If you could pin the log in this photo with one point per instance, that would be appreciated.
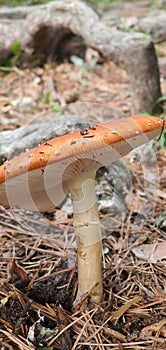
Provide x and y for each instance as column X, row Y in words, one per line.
column 14, row 142
column 54, row 30
column 154, row 24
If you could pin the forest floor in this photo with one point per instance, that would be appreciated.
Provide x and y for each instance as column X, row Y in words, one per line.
column 38, row 268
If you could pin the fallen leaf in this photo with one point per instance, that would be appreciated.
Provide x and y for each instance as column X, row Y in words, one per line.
column 118, row 313
column 151, row 252
column 6, row 299
column 158, row 328
column 15, row 270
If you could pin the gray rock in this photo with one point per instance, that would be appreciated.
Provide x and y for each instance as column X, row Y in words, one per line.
column 25, row 104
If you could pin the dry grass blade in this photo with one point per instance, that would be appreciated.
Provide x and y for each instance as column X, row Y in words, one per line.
column 20, row 343
column 118, row 346
column 84, row 331
column 75, row 321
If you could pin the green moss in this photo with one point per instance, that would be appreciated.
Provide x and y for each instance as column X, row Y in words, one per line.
column 14, row 59
column 14, row 3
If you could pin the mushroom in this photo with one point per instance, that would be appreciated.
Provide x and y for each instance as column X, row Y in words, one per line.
column 39, row 179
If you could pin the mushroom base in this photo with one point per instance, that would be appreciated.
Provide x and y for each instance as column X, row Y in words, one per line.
column 88, row 236
column 90, row 272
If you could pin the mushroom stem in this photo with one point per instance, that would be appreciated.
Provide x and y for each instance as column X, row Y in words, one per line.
column 88, row 236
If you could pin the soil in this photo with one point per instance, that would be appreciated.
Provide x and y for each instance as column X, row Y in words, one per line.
column 38, row 275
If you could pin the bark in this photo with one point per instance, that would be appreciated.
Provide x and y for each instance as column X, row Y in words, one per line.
column 142, row 67
column 58, row 29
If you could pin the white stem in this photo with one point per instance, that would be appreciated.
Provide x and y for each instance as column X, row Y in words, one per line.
column 88, row 236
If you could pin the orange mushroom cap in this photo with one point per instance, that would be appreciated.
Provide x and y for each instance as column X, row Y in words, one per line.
column 39, row 179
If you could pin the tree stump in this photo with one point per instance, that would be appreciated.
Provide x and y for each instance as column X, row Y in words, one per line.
column 54, row 30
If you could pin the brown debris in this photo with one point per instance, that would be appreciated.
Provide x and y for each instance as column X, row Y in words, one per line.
column 38, row 288
column 37, row 253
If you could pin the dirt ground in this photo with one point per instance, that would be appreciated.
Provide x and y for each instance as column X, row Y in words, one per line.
column 38, row 274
